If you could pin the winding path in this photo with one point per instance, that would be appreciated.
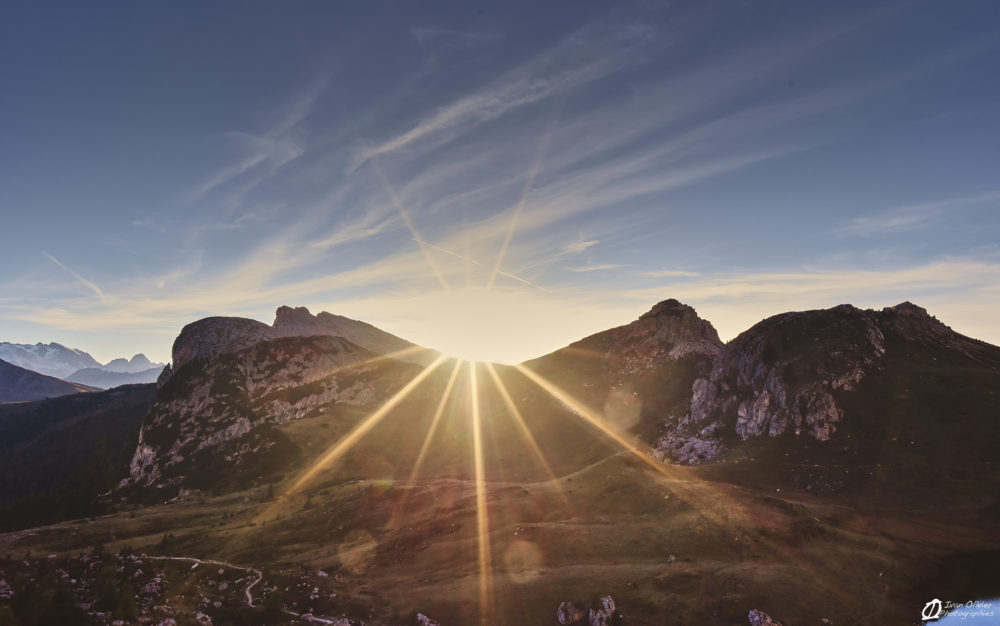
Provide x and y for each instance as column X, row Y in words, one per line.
column 247, row 591
column 196, row 561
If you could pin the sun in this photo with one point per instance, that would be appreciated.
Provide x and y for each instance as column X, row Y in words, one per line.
column 481, row 324
column 503, row 324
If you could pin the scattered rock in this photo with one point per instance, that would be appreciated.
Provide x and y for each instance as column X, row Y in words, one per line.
column 760, row 618
column 569, row 613
column 604, row 613
column 423, row 620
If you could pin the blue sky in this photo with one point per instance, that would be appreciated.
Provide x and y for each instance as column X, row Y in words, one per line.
column 519, row 174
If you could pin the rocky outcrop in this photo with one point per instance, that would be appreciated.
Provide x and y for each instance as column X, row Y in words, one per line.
column 666, row 333
column 601, row 614
column 760, row 618
column 298, row 322
column 570, row 613
column 213, row 336
column 786, row 374
column 213, row 408
column 164, row 376
column 604, row 613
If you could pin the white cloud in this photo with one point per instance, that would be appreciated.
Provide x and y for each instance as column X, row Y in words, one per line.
column 594, row 268
column 579, row 246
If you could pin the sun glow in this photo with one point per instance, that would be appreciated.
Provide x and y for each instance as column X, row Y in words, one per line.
column 500, row 325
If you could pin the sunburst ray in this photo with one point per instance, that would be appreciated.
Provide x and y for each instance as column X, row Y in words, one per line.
column 518, row 418
column 409, row 223
column 709, row 502
column 536, row 165
column 421, row 456
column 482, row 514
column 338, row 449
column 359, row 431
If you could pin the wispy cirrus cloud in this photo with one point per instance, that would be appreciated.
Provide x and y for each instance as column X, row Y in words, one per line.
column 914, row 216
column 262, row 154
column 588, row 55
column 671, row 274
column 83, row 281
column 579, row 246
column 594, row 268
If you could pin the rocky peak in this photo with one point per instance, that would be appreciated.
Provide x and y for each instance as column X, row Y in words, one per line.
column 213, row 336
column 216, row 335
column 914, row 323
column 668, row 308
column 670, row 330
column 299, row 322
column 289, row 317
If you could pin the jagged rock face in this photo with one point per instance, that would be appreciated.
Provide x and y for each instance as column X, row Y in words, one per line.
column 782, row 373
column 779, row 375
column 786, row 373
column 220, row 407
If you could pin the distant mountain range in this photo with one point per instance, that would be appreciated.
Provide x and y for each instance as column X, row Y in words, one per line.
column 98, row 377
column 18, row 384
column 74, row 365
column 51, row 359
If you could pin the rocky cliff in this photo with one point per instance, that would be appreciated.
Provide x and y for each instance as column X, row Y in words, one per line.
column 213, row 418
column 232, row 380
column 790, row 374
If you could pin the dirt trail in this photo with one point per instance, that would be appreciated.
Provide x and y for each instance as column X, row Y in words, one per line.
column 247, row 591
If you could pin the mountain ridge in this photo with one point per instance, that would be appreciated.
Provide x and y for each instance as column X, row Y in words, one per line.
column 75, row 365
column 18, row 384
